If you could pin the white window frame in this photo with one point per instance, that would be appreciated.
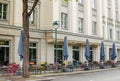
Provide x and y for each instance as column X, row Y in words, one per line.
column 2, row 12
column 64, row 20
column 110, row 33
column 32, row 18
column 32, row 54
column 80, row 24
column 94, row 27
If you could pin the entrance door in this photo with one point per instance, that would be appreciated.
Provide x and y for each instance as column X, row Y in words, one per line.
column 4, row 52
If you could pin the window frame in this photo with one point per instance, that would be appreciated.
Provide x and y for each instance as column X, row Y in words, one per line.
column 94, row 27
column 2, row 11
column 116, row 4
column 64, row 20
column 109, row 12
column 80, row 24
column 31, row 48
column 116, row 15
column 118, row 35
column 74, row 50
column 110, row 33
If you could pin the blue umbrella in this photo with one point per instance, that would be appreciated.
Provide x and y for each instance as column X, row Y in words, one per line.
column 21, row 45
column 65, row 48
column 113, row 55
column 102, row 52
column 87, row 50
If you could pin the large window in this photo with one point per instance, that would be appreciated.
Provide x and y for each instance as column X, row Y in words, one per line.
column 80, row 24
column 63, row 20
column 58, row 53
column 4, row 52
column 75, row 53
column 32, row 52
column 3, row 11
column 94, row 28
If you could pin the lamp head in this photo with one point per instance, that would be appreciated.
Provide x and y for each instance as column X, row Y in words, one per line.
column 56, row 24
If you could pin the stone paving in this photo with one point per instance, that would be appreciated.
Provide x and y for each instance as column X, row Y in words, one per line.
column 51, row 75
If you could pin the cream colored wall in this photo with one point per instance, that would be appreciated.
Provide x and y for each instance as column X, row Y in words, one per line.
column 46, row 16
column 50, row 53
column 43, row 50
column 16, row 55
column 17, row 13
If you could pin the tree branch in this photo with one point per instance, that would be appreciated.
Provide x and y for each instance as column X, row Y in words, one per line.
column 33, row 7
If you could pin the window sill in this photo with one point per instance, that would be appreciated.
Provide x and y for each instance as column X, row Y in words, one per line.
column 4, row 20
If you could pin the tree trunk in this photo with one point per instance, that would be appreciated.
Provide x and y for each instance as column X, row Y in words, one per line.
column 26, row 16
column 26, row 73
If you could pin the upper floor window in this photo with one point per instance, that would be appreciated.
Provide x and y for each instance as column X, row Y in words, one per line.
column 108, row 2
column 116, row 4
column 80, row 1
column 94, row 4
column 80, row 24
column 64, row 20
column 110, row 34
column 109, row 12
column 116, row 15
column 3, row 11
column 32, row 18
column 118, row 35
column 94, row 28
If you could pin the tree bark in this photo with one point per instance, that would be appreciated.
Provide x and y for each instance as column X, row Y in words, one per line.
column 26, row 73
column 26, row 16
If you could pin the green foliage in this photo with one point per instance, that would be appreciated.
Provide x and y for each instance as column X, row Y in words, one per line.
column 66, row 1
column 76, row 0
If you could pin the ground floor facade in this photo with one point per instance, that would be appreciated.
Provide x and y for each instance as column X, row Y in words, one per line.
column 42, row 48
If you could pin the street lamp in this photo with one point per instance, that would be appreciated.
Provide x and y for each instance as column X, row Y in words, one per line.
column 56, row 26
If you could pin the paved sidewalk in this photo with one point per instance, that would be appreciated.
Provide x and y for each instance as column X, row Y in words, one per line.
column 74, row 72
column 51, row 75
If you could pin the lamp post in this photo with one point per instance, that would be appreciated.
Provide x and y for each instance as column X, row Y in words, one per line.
column 56, row 26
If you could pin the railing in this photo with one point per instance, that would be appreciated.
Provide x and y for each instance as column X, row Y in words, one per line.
column 70, row 67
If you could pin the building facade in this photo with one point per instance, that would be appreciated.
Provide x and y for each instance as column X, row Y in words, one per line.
column 95, row 20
